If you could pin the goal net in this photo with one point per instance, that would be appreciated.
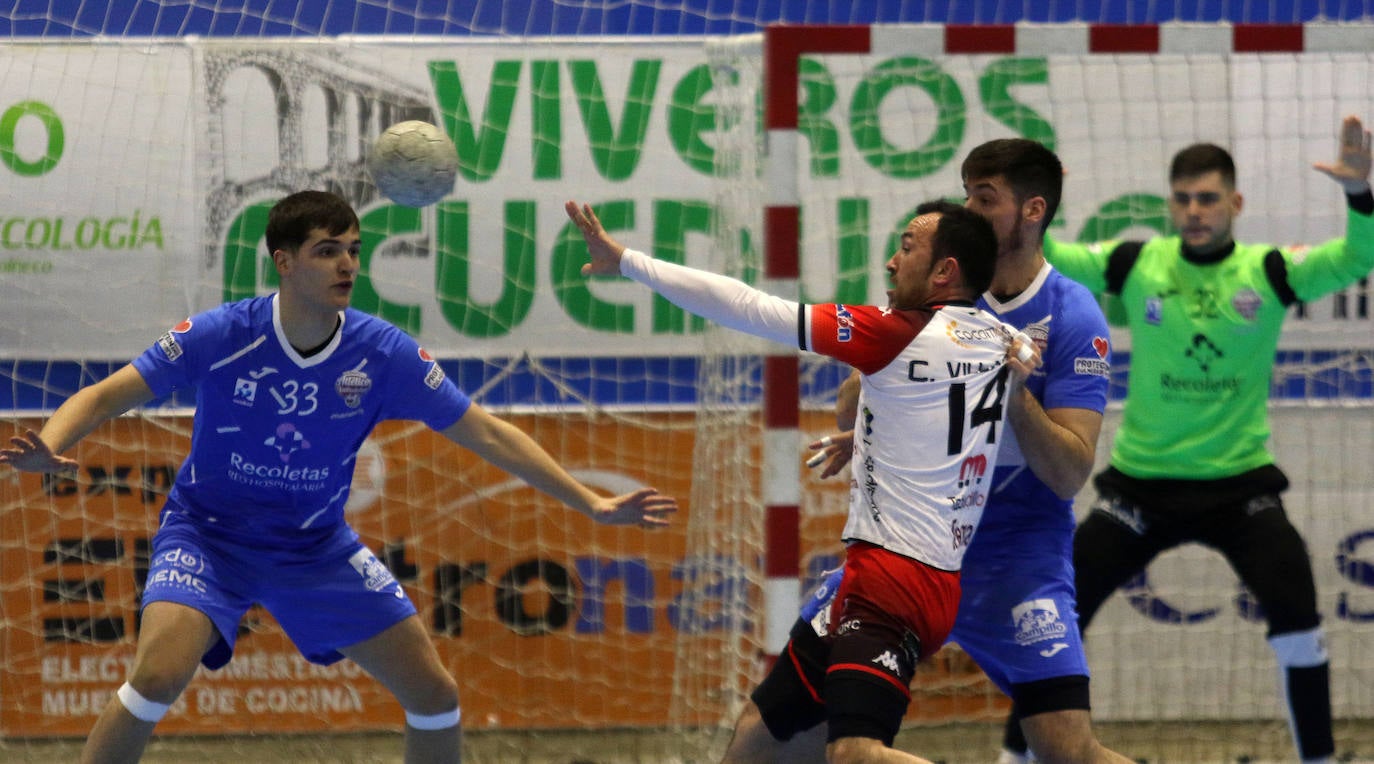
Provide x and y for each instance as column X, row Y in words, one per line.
column 142, row 170
column 879, row 118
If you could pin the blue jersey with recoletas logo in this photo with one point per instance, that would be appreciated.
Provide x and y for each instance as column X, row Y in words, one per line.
column 1065, row 321
column 276, row 434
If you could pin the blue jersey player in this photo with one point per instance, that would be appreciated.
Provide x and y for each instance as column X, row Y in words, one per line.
column 1016, row 614
column 287, row 388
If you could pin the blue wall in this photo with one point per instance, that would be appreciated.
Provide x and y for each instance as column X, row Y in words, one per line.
column 311, row 18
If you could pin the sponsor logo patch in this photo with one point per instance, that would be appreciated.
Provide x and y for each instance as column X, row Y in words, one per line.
column 170, row 347
column 351, row 386
column 245, row 391
column 1036, row 621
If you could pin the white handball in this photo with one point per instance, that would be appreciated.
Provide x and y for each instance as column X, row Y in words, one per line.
column 413, row 163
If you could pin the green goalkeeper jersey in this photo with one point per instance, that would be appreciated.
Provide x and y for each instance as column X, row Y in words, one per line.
column 1203, row 341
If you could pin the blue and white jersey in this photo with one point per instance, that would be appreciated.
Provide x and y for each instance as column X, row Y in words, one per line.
column 1065, row 321
column 276, row 434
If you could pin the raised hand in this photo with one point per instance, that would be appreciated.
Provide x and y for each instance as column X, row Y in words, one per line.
column 646, row 507
column 603, row 250
column 1351, row 168
column 28, row 453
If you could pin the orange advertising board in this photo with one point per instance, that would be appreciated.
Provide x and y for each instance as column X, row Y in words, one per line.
column 546, row 618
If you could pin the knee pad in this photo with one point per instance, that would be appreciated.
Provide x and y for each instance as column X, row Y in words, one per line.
column 860, row 705
column 1300, row 649
column 788, row 698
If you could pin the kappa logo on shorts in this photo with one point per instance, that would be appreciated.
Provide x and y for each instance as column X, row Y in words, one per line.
column 888, row 661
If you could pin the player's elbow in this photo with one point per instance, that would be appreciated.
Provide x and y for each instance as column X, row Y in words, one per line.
column 1069, row 479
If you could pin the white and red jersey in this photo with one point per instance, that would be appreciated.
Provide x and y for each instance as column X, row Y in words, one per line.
column 931, row 407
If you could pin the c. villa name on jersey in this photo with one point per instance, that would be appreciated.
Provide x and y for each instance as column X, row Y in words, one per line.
column 917, row 370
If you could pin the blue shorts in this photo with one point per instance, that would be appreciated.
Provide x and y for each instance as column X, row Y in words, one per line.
column 1018, row 621
column 334, row 594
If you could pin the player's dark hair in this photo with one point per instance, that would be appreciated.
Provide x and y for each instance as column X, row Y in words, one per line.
column 965, row 236
column 1029, row 167
column 1200, row 159
column 291, row 220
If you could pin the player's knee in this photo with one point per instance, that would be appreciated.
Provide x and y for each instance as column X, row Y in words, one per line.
column 441, row 696
column 159, row 684
column 846, row 750
column 752, row 741
column 1077, row 749
column 1300, row 649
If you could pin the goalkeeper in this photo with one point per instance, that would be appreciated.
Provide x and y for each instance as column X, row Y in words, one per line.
column 1190, row 462
column 288, row 386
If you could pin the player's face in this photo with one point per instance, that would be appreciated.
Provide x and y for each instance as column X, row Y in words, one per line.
column 1203, row 209
column 324, row 269
column 910, row 266
column 994, row 199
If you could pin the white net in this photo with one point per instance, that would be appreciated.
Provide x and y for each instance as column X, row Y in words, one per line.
column 141, row 173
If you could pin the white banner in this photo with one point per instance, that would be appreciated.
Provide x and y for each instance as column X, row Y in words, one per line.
column 139, row 173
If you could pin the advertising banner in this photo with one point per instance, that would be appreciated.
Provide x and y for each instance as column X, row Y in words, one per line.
column 535, row 609
column 141, row 173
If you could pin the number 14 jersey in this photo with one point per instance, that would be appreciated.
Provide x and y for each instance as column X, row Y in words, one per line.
column 932, row 405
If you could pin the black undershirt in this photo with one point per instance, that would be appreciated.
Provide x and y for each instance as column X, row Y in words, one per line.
column 322, row 345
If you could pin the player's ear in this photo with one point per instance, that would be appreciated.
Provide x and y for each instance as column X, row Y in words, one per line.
column 282, row 259
column 1033, row 210
column 947, row 271
column 1237, row 201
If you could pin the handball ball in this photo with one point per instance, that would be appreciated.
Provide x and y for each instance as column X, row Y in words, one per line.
column 413, row 163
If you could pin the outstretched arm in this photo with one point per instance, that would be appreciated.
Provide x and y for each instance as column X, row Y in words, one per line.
column 726, row 301
column 74, row 420
column 510, row 448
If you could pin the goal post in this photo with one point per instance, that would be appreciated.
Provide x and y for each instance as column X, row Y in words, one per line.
column 860, row 123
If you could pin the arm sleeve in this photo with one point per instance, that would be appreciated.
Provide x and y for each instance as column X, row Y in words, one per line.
column 721, row 299
column 1335, row 264
column 1084, row 263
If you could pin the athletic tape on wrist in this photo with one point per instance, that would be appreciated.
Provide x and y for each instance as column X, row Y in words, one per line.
column 434, row 722
column 143, row 709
